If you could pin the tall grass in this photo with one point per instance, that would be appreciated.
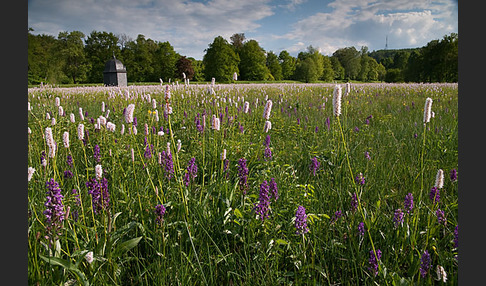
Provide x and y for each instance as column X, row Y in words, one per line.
column 210, row 233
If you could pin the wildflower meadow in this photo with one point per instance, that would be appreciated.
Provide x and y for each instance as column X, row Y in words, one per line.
column 243, row 184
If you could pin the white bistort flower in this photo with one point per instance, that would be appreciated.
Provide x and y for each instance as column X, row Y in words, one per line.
column 267, row 110
column 268, row 126
column 129, row 113
column 336, row 100
column 439, row 179
column 65, row 139
column 81, row 131
column 31, row 172
column 81, row 115
column 427, row 110
column 246, row 107
column 99, row 172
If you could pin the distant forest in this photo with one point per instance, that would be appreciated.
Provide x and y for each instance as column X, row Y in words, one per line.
column 74, row 58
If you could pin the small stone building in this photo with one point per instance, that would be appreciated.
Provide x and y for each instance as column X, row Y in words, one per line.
column 115, row 73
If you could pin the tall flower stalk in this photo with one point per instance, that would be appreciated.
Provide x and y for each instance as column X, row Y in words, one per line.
column 336, row 102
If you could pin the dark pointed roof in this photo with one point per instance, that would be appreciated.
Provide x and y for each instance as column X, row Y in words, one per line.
column 114, row 65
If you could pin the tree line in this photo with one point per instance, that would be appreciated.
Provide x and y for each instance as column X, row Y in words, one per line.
column 73, row 57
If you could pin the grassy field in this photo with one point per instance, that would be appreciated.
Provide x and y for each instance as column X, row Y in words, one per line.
column 364, row 196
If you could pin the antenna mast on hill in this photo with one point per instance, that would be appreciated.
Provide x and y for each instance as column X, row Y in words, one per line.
column 386, row 43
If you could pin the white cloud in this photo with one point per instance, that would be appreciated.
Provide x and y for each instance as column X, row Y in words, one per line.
column 188, row 26
column 367, row 22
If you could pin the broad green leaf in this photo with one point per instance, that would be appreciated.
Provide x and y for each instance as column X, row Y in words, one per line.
column 127, row 245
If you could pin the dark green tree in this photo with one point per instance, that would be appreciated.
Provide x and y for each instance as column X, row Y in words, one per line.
column 310, row 65
column 252, row 64
column 44, row 61
column 287, row 62
column 273, row 66
column 350, row 59
column 337, row 68
column 71, row 49
column 306, row 70
column 99, row 48
column 327, row 71
column 413, row 71
column 220, row 61
column 165, row 62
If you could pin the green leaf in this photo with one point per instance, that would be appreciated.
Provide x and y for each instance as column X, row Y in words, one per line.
column 127, row 245
column 238, row 214
column 66, row 264
column 281, row 241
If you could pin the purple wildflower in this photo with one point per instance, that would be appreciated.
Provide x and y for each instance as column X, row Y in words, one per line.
column 456, row 236
column 360, row 179
column 367, row 155
column 328, row 124
column 354, row 202
column 68, row 174
column 361, row 229
column 441, row 219
column 69, row 160
column 317, row 129
column 99, row 194
column 168, row 164
column 408, row 203
column 425, row 263
column 267, row 153
column 301, row 221
column 54, row 209
column 398, row 218
column 135, row 123
column 373, row 261
column 264, row 201
column 159, row 212
column 77, row 201
column 315, row 164
column 274, row 189
column 434, row 194
column 97, row 153
column 337, row 215
column 267, row 141
column 356, row 129
column 243, row 174
column 453, row 175
column 147, row 153
column 191, row 172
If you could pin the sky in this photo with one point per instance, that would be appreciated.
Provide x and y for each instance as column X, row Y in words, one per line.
column 291, row 25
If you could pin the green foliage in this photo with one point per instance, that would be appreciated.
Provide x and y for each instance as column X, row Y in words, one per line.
column 252, row 65
column 220, row 61
column 274, row 66
column 350, row 60
column 287, row 62
column 67, row 60
column 99, row 47
column 71, row 50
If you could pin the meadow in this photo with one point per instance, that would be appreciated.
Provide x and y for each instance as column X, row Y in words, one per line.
column 247, row 184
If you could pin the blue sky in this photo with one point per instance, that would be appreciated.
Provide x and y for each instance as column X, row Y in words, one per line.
column 292, row 25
